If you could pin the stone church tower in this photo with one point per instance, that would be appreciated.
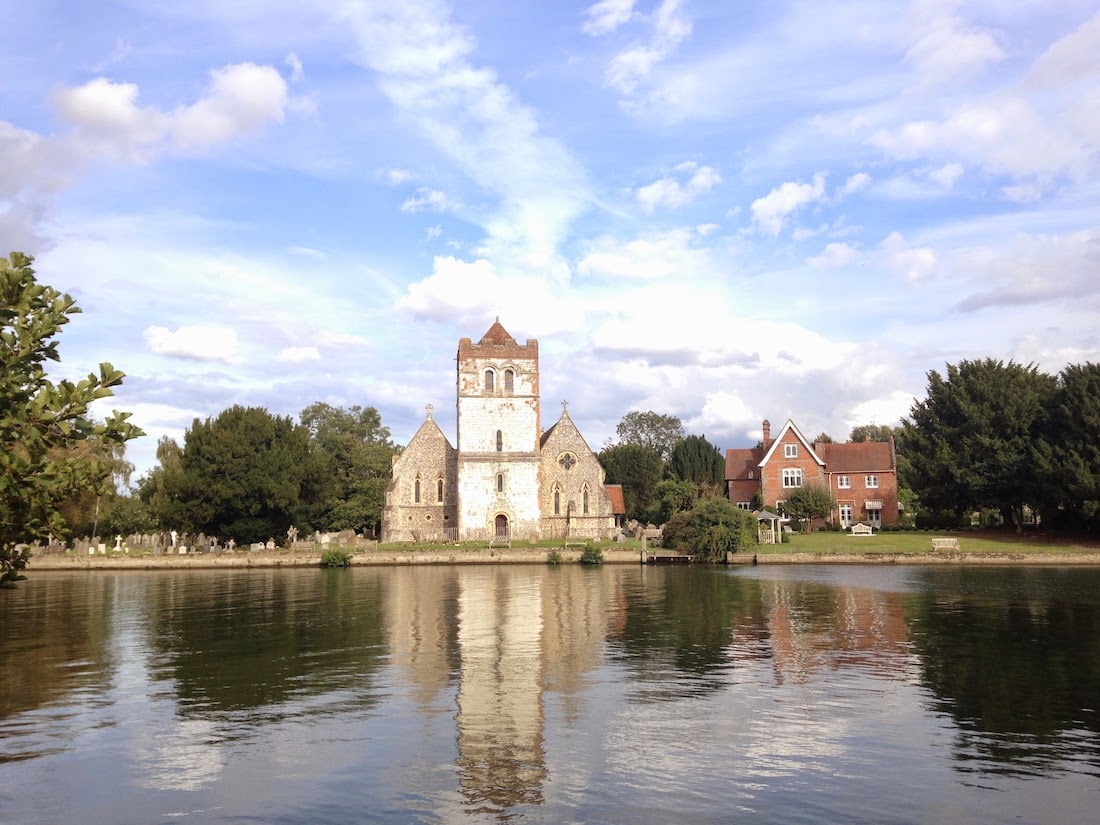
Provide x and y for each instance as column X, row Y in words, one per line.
column 498, row 434
column 507, row 479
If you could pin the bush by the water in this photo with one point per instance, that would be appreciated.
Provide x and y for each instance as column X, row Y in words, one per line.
column 553, row 557
column 715, row 527
column 591, row 554
column 336, row 558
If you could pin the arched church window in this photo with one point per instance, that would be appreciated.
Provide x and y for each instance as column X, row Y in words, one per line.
column 557, row 502
column 439, row 490
column 509, row 380
column 500, row 441
column 416, row 491
column 489, row 380
column 500, row 482
column 584, row 500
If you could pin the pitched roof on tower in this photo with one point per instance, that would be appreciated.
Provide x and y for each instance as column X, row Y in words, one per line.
column 497, row 334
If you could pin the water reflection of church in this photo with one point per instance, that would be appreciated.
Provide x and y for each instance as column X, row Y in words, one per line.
column 511, row 639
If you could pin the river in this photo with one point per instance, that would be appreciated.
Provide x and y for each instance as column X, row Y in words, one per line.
column 539, row 694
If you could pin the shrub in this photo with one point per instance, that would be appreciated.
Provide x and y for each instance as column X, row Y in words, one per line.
column 712, row 529
column 553, row 557
column 336, row 558
column 591, row 554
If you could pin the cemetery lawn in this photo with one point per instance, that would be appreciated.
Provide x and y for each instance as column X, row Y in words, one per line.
column 919, row 542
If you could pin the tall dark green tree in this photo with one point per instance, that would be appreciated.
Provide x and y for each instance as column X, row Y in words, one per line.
column 1072, row 458
column 638, row 469
column 657, row 431
column 972, row 443
column 357, row 452
column 696, row 460
column 45, row 428
column 245, row 474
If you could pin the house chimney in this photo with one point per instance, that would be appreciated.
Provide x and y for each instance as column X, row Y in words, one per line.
column 767, row 433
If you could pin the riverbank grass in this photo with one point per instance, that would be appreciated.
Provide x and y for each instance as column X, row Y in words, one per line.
column 919, row 542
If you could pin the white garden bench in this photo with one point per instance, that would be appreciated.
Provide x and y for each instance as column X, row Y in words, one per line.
column 861, row 529
column 945, row 544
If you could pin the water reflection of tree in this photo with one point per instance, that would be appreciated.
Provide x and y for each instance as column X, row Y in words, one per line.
column 1016, row 665
column 66, row 622
column 682, row 620
column 258, row 639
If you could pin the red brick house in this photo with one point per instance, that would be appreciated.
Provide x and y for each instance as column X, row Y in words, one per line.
column 862, row 477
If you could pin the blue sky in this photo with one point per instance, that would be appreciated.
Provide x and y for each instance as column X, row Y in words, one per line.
column 725, row 211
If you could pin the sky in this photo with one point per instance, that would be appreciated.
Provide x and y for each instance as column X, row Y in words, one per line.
column 723, row 211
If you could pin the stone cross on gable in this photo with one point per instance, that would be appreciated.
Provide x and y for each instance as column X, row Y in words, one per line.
column 565, row 406
column 429, row 409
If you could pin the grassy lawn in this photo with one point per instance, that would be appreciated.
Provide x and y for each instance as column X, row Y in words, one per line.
column 914, row 542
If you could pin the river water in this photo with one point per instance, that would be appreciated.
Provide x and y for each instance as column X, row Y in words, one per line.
column 538, row 694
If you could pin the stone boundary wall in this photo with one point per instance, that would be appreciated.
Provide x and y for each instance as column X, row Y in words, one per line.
column 313, row 559
column 524, row 556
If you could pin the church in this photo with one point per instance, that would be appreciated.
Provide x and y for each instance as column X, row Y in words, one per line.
column 507, row 478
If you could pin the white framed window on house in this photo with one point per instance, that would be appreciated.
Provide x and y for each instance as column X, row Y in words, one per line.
column 743, row 505
column 792, row 477
column 844, row 482
column 871, row 481
column 790, row 451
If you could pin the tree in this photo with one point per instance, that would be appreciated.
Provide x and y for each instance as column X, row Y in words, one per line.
column 42, row 424
column 696, row 460
column 1071, row 458
column 245, row 474
column 358, row 454
column 974, row 442
column 807, row 503
column 638, row 469
column 711, row 529
column 649, row 429
column 673, row 497
column 871, row 432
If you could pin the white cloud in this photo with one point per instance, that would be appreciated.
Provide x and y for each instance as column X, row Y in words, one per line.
column 632, row 67
column 201, row 343
column 298, row 355
column 856, row 183
column 671, row 254
column 241, row 100
column 529, row 186
column 770, row 212
column 606, row 16
column 914, row 263
column 467, row 293
column 834, row 256
column 670, row 192
column 427, row 200
column 947, row 175
column 294, row 63
column 945, row 47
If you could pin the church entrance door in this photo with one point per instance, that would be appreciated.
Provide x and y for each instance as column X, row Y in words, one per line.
column 502, row 526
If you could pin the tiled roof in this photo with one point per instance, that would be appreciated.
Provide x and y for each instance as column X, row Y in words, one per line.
column 858, row 457
column 497, row 334
column 741, row 463
column 618, row 506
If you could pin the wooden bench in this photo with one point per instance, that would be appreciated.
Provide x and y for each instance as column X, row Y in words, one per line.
column 945, row 544
column 861, row 529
